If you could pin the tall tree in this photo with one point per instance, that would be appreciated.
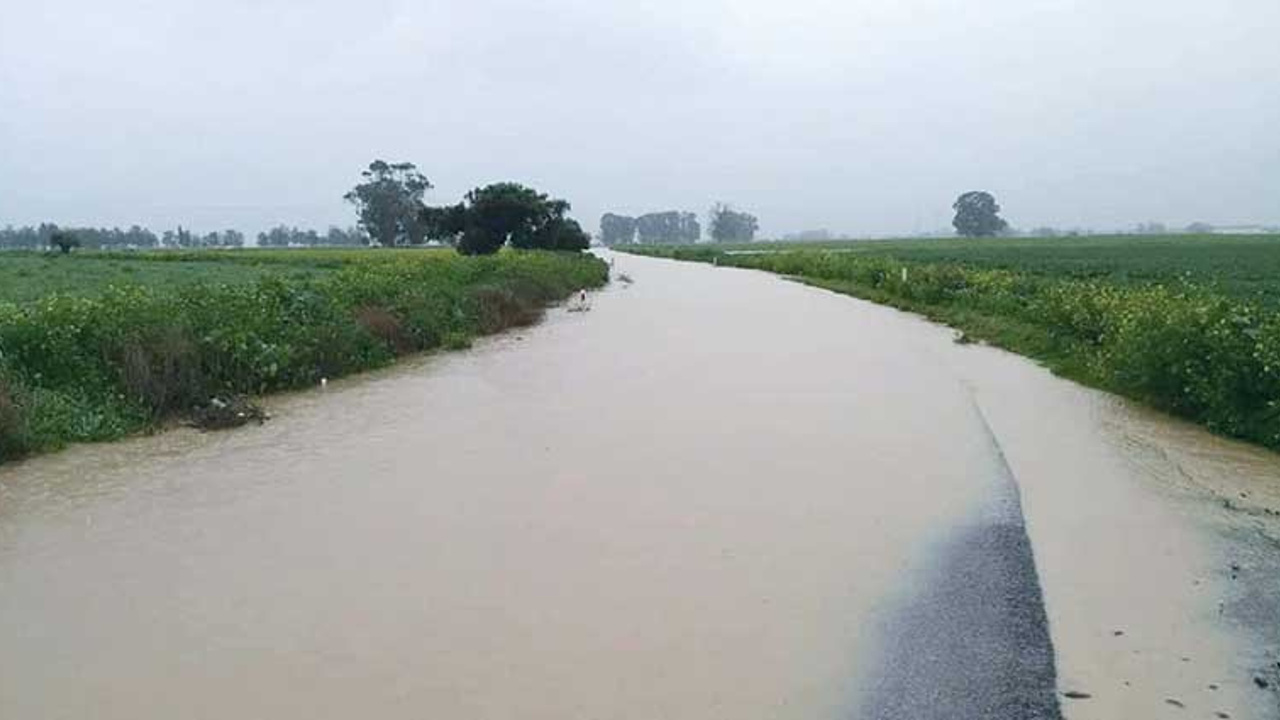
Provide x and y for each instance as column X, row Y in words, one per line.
column 389, row 202
column 978, row 215
column 728, row 225
column 64, row 241
column 689, row 229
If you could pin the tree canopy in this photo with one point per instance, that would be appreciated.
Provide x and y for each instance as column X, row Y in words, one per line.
column 391, row 211
column 389, row 203
column 729, row 225
column 671, row 226
column 502, row 213
column 978, row 215
column 617, row 229
column 64, row 241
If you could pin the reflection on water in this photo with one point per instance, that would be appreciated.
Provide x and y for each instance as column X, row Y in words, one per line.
column 691, row 502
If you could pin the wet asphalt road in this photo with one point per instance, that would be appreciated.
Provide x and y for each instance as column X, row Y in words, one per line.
column 971, row 639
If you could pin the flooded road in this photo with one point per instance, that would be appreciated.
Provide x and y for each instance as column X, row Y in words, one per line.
column 715, row 495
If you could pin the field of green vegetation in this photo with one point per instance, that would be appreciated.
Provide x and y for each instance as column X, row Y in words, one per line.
column 1187, row 324
column 97, row 346
column 1241, row 266
column 27, row 276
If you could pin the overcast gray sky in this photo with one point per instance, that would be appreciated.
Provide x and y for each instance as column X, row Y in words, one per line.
column 862, row 116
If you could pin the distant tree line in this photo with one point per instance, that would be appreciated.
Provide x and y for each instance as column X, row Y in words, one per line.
column 669, row 227
column 285, row 236
column 817, row 235
column 49, row 235
column 672, row 227
column 391, row 211
column 978, row 215
column 182, row 238
column 1150, row 228
column 41, row 237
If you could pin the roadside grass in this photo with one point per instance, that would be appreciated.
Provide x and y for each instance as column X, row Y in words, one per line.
column 1010, row 333
column 117, row 357
column 1180, row 340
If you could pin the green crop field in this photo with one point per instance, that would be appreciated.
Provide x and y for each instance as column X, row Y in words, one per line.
column 1241, row 266
column 95, row 346
column 1188, row 324
column 27, row 276
column 30, row 276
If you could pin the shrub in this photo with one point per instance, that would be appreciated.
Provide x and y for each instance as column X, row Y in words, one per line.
column 13, row 432
column 496, row 308
column 161, row 370
column 384, row 325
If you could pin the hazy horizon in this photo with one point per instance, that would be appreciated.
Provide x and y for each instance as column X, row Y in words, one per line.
column 863, row 118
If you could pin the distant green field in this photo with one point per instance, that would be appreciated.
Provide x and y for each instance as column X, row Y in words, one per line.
column 29, row 276
column 1188, row 324
column 1241, row 266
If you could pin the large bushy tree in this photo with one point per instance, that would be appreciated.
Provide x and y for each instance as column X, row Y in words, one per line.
column 445, row 223
column 562, row 234
column 502, row 213
column 729, row 225
column 978, row 215
column 389, row 203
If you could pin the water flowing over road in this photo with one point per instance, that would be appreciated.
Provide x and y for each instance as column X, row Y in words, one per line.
column 718, row 494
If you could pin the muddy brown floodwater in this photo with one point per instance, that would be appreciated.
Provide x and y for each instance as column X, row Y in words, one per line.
column 705, row 498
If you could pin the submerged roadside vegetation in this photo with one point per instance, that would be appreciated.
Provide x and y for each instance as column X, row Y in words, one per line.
column 1198, row 344
column 108, row 357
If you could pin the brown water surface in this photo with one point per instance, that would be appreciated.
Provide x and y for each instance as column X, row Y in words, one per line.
column 696, row 501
